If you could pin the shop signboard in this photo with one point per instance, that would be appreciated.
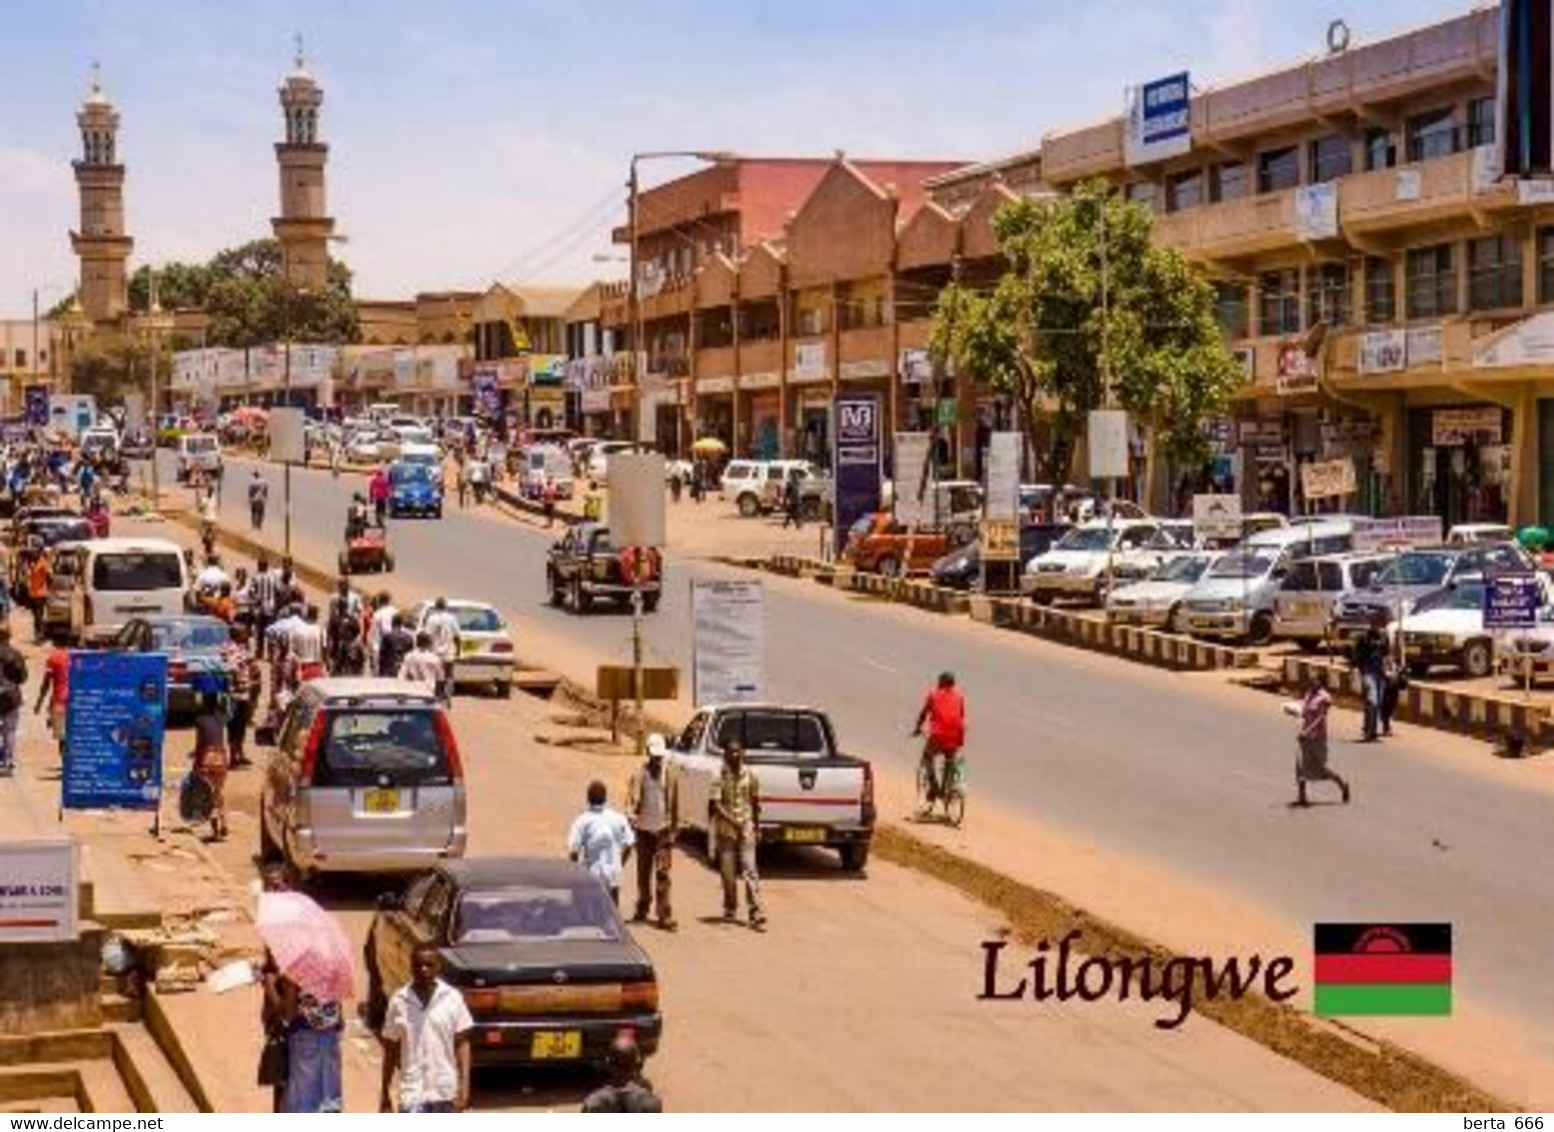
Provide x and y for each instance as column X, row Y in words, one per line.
column 914, row 478
column 855, row 460
column 1408, row 185
column 1159, row 120
column 1261, row 432
column 39, row 890
column 728, row 642
column 1002, row 500
column 1453, row 428
column 809, row 360
column 115, row 719
column 1000, row 540
column 1216, row 517
column 1327, row 478
column 1383, row 351
column 1511, row 601
column 1298, row 370
column 1535, row 191
column 1316, row 212
column 1529, row 342
column 1426, row 345
column 916, row 367
column 1399, row 531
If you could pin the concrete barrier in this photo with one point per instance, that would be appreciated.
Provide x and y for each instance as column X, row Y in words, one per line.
column 1463, row 710
column 1131, row 642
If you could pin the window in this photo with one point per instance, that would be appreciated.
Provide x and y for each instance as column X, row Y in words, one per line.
column 1327, row 295
column 1381, row 304
column 1142, row 192
column 1184, row 190
column 1233, row 310
column 1481, row 121
column 1546, row 265
column 21, row 359
column 1227, row 181
column 1431, row 135
column 1278, row 169
column 1380, row 153
column 1431, row 278
column 1331, row 157
column 1494, row 273
column 382, row 746
column 1280, row 308
column 127, row 571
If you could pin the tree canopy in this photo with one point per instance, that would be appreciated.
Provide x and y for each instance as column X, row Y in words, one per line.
column 1039, row 334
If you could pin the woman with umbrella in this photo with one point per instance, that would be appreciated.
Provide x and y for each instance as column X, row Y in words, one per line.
column 313, row 974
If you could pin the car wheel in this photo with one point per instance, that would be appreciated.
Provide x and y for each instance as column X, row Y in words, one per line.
column 1173, row 619
column 1478, row 659
column 1261, row 631
column 855, row 856
column 582, row 600
column 558, row 596
column 1039, row 598
column 649, row 603
column 888, row 567
column 749, row 506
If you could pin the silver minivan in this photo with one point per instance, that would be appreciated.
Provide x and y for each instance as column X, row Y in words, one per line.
column 1303, row 609
column 1235, row 599
column 365, row 777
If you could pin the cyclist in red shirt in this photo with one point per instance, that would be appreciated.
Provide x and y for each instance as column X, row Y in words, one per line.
column 944, row 711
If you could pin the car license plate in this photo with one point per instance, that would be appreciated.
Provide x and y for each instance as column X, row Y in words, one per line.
column 805, row 836
column 556, row 1045
column 469, row 648
column 381, row 801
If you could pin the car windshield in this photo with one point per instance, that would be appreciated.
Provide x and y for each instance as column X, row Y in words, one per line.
column 1457, row 597
column 790, row 732
column 474, row 619
column 537, row 914
column 1414, row 568
column 131, row 570
column 189, row 636
column 1183, row 569
column 382, row 747
column 402, row 474
column 1243, row 565
column 1085, row 538
column 63, row 530
column 863, row 525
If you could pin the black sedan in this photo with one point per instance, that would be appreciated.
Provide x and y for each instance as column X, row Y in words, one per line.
column 962, row 569
column 195, row 646
column 536, row 947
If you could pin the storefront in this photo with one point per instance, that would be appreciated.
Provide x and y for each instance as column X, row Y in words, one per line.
column 715, row 409
column 1459, row 459
column 766, row 424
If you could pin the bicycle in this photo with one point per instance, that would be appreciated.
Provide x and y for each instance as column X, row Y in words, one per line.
column 952, row 791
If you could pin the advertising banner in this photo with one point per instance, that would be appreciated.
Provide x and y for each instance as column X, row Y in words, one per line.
column 1298, row 370
column 1316, row 212
column 39, row 881
column 855, row 460
column 1003, row 475
column 914, row 478
column 38, row 406
column 637, row 498
column 1159, row 120
column 1107, row 434
column 1216, row 516
column 809, row 361
column 1526, row 343
column 1511, row 601
column 1327, row 478
column 1403, row 530
column 729, row 642
column 288, row 437
column 115, row 719
column 916, row 367
column 1426, row 344
column 1383, row 351
column 1453, row 428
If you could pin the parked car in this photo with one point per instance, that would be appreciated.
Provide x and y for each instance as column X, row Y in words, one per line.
column 199, row 451
column 485, row 644
column 737, row 474
column 583, row 566
column 119, row 579
column 762, row 492
column 1157, row 600
column 598, row 468
column 101, row 441
column 1235, row 598
column 1447, row 628
column 1471, row 533
column 878, row 544
column 1303, row 608
column 1416, row 572
column 961, row 568
column 195, row 646
column 365, row 777
column 414, row 489
column 136, row 445
column 1076, row 566
column 547, row 967
column 810, row 792
column 1528, row 654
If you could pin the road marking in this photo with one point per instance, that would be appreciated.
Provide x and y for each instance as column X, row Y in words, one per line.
column 882, row 667
column 1259, row 778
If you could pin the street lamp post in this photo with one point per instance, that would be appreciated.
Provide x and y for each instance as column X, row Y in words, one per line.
column 638, row 334
column 156, row 322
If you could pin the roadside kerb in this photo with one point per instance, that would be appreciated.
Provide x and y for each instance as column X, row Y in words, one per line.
column 1468, row 712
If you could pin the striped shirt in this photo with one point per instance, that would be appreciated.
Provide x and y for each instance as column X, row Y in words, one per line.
column 266, row 587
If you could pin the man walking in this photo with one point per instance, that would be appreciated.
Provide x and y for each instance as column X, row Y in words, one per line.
column 421, row 665
column 426, row 1034
column 258, row 496
column 735, row 812
column 397, row 645
column 601, row 840
column 791, row 512
column 653, row 805
column 13, row 677
column 378, row 490
column 443, row 628
column 383, row 613
column 263, row 600
column 1369, row 656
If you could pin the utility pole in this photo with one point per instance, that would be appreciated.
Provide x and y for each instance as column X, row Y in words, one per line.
column 1106, row 379
column 638, row 340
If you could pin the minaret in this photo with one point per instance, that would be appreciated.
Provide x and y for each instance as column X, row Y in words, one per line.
column 101, row 243
column 303, row 227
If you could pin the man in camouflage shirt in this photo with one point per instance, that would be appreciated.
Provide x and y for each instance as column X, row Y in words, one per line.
column 736, row 808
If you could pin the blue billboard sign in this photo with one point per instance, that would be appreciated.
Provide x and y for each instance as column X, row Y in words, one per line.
column 855, row 460
column 115, row 720
column 1159, row 120
column 1511, row 601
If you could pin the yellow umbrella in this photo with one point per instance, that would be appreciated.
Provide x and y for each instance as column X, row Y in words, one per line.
column 709, row 446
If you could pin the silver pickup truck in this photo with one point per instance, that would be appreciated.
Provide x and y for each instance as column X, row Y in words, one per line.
column 810, row 793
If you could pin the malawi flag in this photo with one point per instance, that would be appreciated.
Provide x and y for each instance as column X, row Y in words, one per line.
column 1383, row 969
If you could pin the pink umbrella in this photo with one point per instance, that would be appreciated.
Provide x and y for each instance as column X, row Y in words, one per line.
column 309, row 945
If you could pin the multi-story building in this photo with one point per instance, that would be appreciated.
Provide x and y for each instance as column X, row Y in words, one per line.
column 26, row 358
column 1389, row 295
column 763, row 286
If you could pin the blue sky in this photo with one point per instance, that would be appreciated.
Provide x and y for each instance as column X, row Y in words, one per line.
column 476, row 139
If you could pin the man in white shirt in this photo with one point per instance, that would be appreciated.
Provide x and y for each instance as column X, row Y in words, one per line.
column 422, row 665
column 382, row 623
column 307, row 646
column 426, row 1036
column 443, row 628
column 601, row 840
column 212, row 577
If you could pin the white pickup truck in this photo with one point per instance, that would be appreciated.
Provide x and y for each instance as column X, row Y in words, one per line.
column 810, row 794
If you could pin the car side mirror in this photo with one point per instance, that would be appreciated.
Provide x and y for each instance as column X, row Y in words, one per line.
column 390, row 902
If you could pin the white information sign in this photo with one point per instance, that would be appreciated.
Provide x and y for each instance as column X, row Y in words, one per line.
column 914, row 479
column 637, row 499
column 729, row 642
column 1003, row 476
column 1404, row 530
column 39, row 883
column 1216, row 517
column 1108, row 437
column 287, row 437
column 1327, row 478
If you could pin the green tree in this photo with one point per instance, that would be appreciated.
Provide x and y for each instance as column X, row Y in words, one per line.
column 1039, row 333
column 110, row 367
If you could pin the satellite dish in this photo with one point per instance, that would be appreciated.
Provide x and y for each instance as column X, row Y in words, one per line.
column 1337, row 37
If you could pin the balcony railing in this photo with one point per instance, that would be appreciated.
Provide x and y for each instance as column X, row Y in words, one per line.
column 1244, row 227
column 1394, row 199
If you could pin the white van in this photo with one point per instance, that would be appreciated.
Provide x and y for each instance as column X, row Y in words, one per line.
column 125, row 578
column 199, row 450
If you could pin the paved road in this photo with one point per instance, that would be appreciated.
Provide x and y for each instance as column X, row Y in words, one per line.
column 1162, row 765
